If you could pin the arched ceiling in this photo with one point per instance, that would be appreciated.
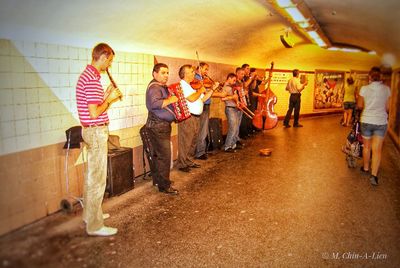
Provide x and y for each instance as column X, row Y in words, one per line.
column 369, row 24
column 230, row 31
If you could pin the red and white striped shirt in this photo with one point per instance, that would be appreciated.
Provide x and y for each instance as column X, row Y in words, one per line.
column 90, row 91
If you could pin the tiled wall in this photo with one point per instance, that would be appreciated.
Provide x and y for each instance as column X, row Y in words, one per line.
column 37, row 105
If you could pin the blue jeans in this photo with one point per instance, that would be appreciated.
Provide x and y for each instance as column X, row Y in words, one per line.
column 369, row 130
column 201, row 145
column 232, row 114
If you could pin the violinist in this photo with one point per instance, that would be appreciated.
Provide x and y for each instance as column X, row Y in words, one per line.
column 240, row 86
column 188, row 129
column 202, row 76
column 232, row 114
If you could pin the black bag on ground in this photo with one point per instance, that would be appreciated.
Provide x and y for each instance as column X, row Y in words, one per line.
column 147, row 149
column 215, row 134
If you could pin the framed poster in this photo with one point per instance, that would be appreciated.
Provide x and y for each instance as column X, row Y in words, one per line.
column 360, row 78
column 328, row 90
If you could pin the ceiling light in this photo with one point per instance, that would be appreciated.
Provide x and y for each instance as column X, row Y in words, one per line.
column 317, row 39
column 284, row 3
column 304, row 24
column 295, row 14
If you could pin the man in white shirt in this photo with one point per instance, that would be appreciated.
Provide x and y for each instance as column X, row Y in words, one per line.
column 188, row 129
column 294, row 86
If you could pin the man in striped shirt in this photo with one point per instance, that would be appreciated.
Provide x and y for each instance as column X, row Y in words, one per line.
column 92, row 106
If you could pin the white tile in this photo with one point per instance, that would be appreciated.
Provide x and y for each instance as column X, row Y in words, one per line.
column 45, row 109
column 31, row 80
column 121, row 68
column 35, row 140
column 20, row 111
column 44, row 95
column 18, row 80
column 5, row 81
column 64, row 80
column 41, row 50
column 63, row 52
column 75, row 66
column 23, row 142
column 45, row 124
column 17, row 48
column 64, row 66
column 7, row 129
column 34, row 125
column 19, row 96
column 52, row 51
column 41, row 65
column 9, row 145
column 5, row 64
column 29, row 49
column 21, row 127
column 53, row 136
column 73, row 53
column 7, row 113
column 6, row 97
column 54, row 66
column 5, row 47
column 32, row 96
column 17, row 64
column 82, row 54
column 33, row 111
column 128, row 68
column 28, row 65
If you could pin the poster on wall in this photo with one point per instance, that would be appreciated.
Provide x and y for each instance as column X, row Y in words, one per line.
column 328, row 90
column 360, row 78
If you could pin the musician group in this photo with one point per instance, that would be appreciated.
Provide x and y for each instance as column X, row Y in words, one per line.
column 187, row 103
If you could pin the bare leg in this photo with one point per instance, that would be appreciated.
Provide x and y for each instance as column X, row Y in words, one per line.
column 344, row 118
column 366, row 153
column 376, row 146
column 348, row 117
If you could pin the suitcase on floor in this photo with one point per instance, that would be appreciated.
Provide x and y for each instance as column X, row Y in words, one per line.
column 120, row 171
column 215, row 134
column 147, row 150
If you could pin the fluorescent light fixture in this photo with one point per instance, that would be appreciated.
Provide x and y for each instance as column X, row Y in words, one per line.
column 295, row 14
column 284, row 3
column 304, row 24
column 344, row 49
column 315, row 36
column 320, row 42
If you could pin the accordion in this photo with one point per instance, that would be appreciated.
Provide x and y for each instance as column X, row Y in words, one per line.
column 181, row 109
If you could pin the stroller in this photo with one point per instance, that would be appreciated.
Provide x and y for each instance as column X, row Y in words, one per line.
column 354, row 143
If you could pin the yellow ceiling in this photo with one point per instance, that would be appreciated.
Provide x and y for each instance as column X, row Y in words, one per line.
column 230, row 31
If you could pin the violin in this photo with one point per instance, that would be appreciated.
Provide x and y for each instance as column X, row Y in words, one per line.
column 207, row 83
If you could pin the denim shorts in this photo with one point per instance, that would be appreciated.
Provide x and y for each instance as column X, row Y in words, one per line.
column 349, row 105
column 369, row 130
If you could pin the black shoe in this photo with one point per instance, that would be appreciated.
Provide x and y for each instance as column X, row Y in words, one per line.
column 239, row 146
column 169, row 190
column 363, row 170
column 229, row 150
column 185, row 169
column 373, row 180
column 202, row 157
column 239, row 143
column 286, row 125
column 194, row 165
column 298, row 125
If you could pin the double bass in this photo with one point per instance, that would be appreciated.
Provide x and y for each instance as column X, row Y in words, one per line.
column 265, row 107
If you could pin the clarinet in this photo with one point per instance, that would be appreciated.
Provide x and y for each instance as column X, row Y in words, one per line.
column 112, row 82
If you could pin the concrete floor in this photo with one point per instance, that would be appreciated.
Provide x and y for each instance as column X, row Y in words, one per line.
column 300, row 207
